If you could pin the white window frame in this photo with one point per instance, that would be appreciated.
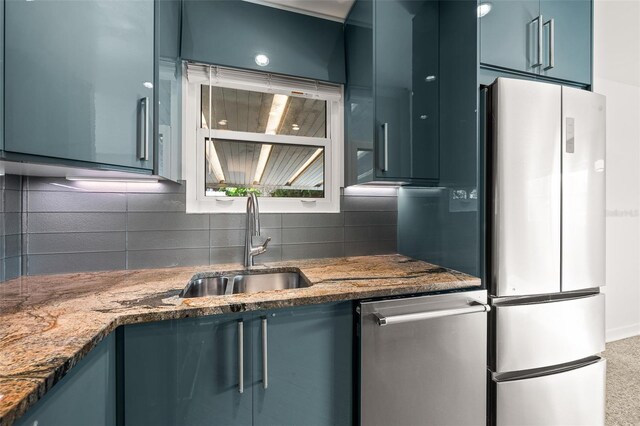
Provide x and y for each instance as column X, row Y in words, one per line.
column 194, row 137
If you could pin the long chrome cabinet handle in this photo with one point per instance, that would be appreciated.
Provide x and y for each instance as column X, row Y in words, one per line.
column 385, row 141
column 540, row 25
column 419, row 316
column 552, row 44
column 240, row 356
column 143, row 133
column 265, row 361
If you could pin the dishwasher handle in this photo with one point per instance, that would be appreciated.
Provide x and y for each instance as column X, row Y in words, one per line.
column 419, row 316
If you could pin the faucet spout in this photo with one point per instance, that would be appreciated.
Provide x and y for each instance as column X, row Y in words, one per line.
column 253, row 232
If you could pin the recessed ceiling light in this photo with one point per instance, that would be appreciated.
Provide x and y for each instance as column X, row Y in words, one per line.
column 262, row 60
column 484, row 9
column 148, row 84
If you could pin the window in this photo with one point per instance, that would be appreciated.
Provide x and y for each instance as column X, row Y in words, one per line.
column 276, row 136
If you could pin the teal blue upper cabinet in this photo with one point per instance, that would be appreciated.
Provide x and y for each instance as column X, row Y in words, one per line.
column 303, row 366
column 85, row 396
column 168, row 94
column 188, row 372
column 79, row 80
column 567, row 35
column 549, row 38
column 508, row 35
column 399, row 69
column 406, row 91
column 212, row 370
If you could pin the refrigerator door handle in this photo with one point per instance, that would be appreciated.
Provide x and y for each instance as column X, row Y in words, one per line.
column 383, row 320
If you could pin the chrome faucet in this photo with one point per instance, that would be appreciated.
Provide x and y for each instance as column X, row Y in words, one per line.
column 253, row 232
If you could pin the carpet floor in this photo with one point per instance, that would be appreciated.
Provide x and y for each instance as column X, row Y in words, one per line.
column 623, row 382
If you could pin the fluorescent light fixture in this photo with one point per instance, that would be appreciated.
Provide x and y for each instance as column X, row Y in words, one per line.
column 112, row 179
column 484, row 9
column 304, row 167
column 262, row 60
column 223, row 122
column 278, row 105
column 214, row 162
column 265, row 151
column 148, row 84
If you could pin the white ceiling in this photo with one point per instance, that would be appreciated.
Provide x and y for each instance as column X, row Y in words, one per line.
column 336, row 10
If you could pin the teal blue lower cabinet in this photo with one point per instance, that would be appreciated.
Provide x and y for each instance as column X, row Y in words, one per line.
column 187, row 372
column 308, row 367
column 211, row 370
column 85, row 396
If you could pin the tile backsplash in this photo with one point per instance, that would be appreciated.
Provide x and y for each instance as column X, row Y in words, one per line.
column 53, row 225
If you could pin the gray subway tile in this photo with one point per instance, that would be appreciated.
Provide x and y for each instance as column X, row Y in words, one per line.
column 156, row 202
column 12, row 201
column 312, row 235
column 12, row 267
column 145, row 240
column 236, row 237
column 238, row 221
column 75, row 222
column 12, row 223
column 76, row 242
column 306, row 220
column 42, row 201
column 226, row 255
column 370, row 233
column 366, row 248
column 13, row 182
column 13, row 245
column 350, row 203
column 312, row 251
column 159, row 221
column 75, row 262
column 165, row 258
column 236, row 255
column 365, row 218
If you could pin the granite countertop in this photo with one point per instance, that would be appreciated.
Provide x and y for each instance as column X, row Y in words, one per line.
column 48, row 323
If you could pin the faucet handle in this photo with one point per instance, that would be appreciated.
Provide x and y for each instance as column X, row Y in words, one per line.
column 261, row 247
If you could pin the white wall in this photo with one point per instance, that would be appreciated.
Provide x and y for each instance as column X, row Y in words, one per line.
column 617, row 75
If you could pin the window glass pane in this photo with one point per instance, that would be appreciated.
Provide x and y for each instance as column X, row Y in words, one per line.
column 232, row 168
column 267, row 113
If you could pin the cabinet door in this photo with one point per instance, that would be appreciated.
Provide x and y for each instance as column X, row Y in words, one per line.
column 77, row 75
column 188, row 372
column 569, row 40
column 85, row 396
column 406, row 89
column 305, row 355
column 508, row 37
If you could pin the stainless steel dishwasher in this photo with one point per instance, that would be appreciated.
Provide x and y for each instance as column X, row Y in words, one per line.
column 423, row 360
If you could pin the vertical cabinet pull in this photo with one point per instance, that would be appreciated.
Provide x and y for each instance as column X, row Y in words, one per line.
column 551, row 45
column 384, row 166
column 265, row 362
column 143, row 129
column 240, row 356
column 539, row 24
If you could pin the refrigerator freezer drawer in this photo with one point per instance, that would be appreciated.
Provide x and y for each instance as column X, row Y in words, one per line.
column 575, row 397
column 423, row 360
column 536, row 335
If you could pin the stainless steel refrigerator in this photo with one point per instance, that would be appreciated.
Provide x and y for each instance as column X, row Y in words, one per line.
column 546, row 254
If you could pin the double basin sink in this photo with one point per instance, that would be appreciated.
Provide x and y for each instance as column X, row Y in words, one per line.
column 203, row 285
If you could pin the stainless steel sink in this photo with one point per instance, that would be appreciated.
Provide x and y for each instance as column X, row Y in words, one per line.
column 220, row 285
column 208, row 286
